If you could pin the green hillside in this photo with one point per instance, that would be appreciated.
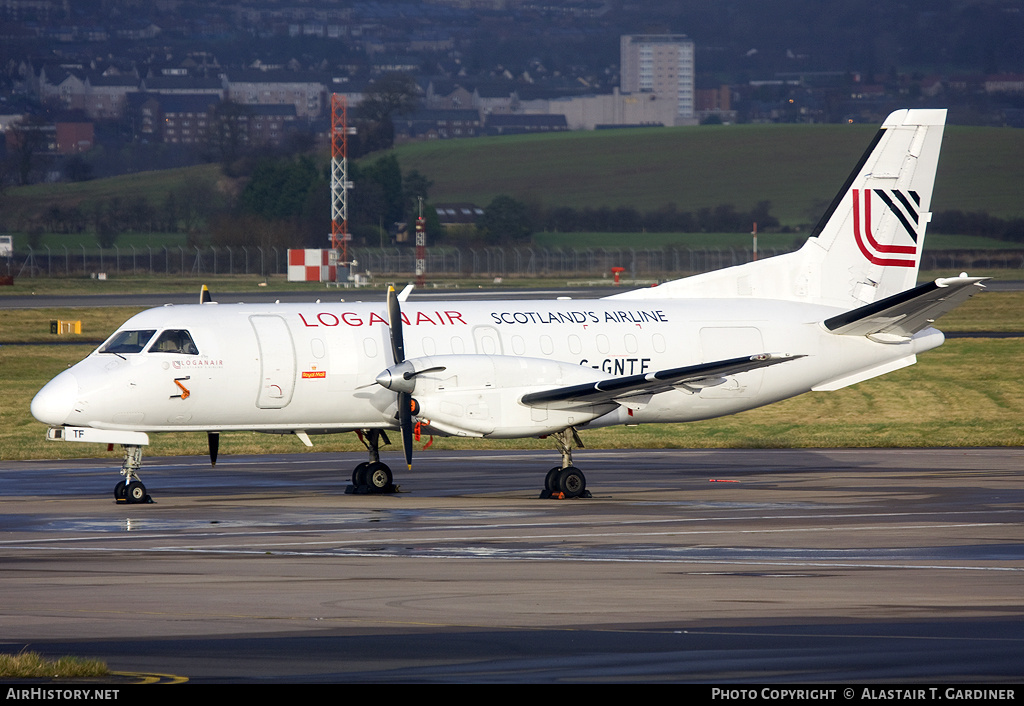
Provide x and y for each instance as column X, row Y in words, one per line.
column 154, row 186
column 796, row 167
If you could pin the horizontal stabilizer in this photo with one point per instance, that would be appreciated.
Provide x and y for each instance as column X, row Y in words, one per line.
column 902, row 315
column 613, row 389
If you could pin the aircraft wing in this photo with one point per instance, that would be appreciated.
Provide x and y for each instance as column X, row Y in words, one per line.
column 902, row 315
column 611, row 390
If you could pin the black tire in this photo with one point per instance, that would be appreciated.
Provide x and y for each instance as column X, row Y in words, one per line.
column 359, row 474
column 119, row 490
column 572, row 482
column 135, row 492
column 378, row 477
column 551, row 479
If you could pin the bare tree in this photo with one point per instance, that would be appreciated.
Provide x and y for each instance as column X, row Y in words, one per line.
column 27, row 142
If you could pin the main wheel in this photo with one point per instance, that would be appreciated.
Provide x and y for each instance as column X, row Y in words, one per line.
column 378, row 477
column 572, row 482
column 551, row 479
column 135, row 492
column 359, row 474
column 119, row 490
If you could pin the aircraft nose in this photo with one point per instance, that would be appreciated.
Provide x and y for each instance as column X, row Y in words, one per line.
column 54, row 402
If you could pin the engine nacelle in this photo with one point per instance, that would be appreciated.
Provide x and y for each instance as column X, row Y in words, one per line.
column 473, row 395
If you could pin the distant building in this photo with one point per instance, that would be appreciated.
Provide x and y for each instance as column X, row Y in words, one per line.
column 74, row 138
column 437, row 125
column 1005, row 83
column 455, row 215
column 660, row 65
column 714, row 102
column 520, row 124
column 308, row 93
column 184, row 118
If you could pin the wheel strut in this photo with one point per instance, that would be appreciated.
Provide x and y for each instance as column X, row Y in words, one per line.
column 372, row 476
column 131, row 490
column 566, row 481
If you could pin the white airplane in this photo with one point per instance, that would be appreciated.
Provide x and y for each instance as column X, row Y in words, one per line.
column 840, row 310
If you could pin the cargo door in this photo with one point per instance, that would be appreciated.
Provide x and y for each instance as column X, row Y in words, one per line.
column 277, row 361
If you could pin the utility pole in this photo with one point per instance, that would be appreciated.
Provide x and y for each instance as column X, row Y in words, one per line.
column 421, row 247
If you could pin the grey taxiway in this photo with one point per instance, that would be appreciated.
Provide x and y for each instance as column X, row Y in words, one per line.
column 722, row 566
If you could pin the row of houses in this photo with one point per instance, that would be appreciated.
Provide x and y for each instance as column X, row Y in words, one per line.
column 105, row 96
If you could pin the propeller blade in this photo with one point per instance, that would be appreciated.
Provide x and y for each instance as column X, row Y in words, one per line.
column 405, row 422
column 410, row 374
column 398, row 351
column 213, row 441
column 204, row 295
column 395, row 324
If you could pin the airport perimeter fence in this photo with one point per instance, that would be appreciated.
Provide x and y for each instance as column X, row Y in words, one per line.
column 394, row 263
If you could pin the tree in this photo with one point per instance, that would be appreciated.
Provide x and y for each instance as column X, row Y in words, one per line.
column 278, row 188
column 378, row 196
column 27, row 141
column 505, row 221
column 415, row 187
column 227, row 135
column 392, row 94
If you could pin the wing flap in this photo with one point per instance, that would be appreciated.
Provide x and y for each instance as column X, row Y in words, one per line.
column 902, row 315
column 619, row 389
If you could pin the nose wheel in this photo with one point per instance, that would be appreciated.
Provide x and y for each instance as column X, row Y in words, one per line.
column 131, row 490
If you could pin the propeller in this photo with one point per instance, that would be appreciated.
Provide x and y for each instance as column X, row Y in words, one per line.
column 405, row 401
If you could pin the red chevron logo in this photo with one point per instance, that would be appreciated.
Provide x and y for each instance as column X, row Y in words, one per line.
column 875, row 252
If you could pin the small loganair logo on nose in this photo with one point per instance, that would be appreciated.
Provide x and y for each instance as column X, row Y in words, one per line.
column 903, row 205
column 307, row 374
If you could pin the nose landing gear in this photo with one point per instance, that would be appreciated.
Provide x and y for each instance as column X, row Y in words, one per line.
column 131, row 490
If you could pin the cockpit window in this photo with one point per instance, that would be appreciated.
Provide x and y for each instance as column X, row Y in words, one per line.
column 128, row 341
column 174, row 341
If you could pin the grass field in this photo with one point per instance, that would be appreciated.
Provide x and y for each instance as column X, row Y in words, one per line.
column 969, row 392
column 739, row 240
column 796, row 167
column 153, row 186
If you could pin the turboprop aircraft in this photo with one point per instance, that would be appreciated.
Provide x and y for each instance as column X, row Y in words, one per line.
column 842, row 309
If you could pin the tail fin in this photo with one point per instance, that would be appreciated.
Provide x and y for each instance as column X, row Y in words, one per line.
column 867, row 245
column 872, row 234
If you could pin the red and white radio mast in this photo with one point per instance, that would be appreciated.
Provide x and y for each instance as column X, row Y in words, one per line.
column 340, row 184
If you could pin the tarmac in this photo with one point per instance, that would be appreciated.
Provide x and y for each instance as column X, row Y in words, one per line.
column 734, row 566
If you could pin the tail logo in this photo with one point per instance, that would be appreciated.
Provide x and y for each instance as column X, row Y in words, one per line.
column 903, row 205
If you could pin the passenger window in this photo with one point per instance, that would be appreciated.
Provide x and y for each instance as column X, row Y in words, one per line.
column 128, row 341
column 174, row 341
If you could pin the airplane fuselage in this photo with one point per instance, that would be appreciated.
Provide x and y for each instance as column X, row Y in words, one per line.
column 311, row 367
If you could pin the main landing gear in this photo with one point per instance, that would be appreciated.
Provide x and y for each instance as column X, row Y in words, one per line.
column 131, row 490
column 566, row 481
column 372, row 476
